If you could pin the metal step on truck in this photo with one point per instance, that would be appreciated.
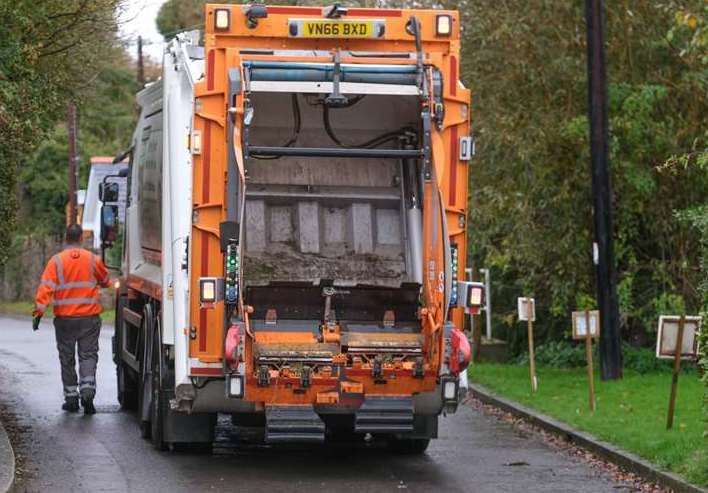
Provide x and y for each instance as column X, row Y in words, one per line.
column 295, row 237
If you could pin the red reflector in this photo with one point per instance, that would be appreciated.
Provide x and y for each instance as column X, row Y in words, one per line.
column 453, row 76
column 375, row 13
column 206, row 371
column 210, row 71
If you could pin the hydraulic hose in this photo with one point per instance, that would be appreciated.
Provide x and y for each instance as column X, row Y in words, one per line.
column 375, row 142
column 297, row 126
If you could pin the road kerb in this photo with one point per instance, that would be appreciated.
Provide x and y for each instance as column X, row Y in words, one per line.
column 609, row 452
column 7, row 462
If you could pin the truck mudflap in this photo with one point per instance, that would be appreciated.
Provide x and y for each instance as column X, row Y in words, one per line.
column 293, row 424
column 380, row 414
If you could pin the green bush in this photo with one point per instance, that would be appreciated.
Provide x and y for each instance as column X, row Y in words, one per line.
column 565, row 354
column 644, row 360
column 557, row 354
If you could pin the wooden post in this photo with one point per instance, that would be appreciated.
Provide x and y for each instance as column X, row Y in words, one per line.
column 675, row 376
column 72, row 174
column 532, row 356
column 588, row 356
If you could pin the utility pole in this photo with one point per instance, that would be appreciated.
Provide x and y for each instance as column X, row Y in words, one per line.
column 141, row 66
column 73, row 168
column 603, row 255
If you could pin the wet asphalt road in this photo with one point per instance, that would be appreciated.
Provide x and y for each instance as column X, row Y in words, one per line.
column 71, row 452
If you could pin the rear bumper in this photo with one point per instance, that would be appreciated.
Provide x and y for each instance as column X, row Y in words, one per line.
column 212, row 399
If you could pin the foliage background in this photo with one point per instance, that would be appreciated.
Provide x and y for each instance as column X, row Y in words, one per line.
column 53, row 52
column 531, row 218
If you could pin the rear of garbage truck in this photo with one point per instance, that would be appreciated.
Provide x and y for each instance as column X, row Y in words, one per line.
column 313, row 225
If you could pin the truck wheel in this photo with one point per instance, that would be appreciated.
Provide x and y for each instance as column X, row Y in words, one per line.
column 408, row 446
column 127, row 391
column 127, row 387
column 157, row 404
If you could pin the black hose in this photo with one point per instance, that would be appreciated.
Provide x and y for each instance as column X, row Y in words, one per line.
column 297, row 121
column 297, row 126
column 375, row 142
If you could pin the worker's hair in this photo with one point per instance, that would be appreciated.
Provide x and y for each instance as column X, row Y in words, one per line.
column 73, row 233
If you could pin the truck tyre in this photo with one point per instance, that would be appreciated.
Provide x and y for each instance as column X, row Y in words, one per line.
column 126, row 383
column 408, row 446
column 158, row 401
column 127, row 391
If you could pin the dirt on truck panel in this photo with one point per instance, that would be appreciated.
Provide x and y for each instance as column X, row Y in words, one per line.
column 294, row 248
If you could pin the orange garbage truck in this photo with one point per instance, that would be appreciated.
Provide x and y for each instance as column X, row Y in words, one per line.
column 295, row 235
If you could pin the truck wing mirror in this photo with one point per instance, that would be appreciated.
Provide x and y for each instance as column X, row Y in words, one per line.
column 124, row 172
column 108, row 192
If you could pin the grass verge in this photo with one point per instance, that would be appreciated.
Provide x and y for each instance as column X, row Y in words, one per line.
column 631, row 412
column 24, row 308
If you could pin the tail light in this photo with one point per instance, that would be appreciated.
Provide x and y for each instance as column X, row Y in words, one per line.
column 235, row 383
column 460, row 352
column 231, row 345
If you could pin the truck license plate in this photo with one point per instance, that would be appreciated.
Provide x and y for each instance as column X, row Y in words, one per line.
column 320, row 28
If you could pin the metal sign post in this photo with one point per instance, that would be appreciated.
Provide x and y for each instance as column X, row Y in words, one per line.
column 487, row 301
column 681, row 333
column 527, row 311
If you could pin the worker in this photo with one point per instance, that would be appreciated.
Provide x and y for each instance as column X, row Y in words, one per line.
column 71, row 280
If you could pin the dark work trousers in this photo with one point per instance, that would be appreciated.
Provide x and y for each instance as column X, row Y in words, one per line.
column 82, row 332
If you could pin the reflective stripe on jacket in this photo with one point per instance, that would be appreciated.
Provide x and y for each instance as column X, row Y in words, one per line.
column 71, row 281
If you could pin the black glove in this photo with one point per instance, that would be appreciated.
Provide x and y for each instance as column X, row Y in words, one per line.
column 35, row 322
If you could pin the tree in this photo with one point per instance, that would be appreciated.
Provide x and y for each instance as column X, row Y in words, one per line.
column 51, row 52
column 530, row 184
column 180, row 15
column 107, row 118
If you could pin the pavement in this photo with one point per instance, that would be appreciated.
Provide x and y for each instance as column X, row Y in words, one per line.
column 7, row 461
column 71, row 452
column 626, row 460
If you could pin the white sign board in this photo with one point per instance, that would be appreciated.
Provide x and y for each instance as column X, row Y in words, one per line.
column 668, row 334
column 580, row 324
column 524, row 309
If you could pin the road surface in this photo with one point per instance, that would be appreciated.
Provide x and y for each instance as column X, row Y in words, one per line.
column 73, row 452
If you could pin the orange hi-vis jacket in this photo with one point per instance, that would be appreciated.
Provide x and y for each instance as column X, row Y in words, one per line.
column 72, row 279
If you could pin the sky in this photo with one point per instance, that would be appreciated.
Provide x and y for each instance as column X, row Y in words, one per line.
column 138, row 18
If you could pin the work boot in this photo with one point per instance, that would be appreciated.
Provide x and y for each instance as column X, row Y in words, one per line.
column 87, row 404
column 71, row 404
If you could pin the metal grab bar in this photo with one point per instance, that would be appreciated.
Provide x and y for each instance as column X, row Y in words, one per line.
column 265, row 151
